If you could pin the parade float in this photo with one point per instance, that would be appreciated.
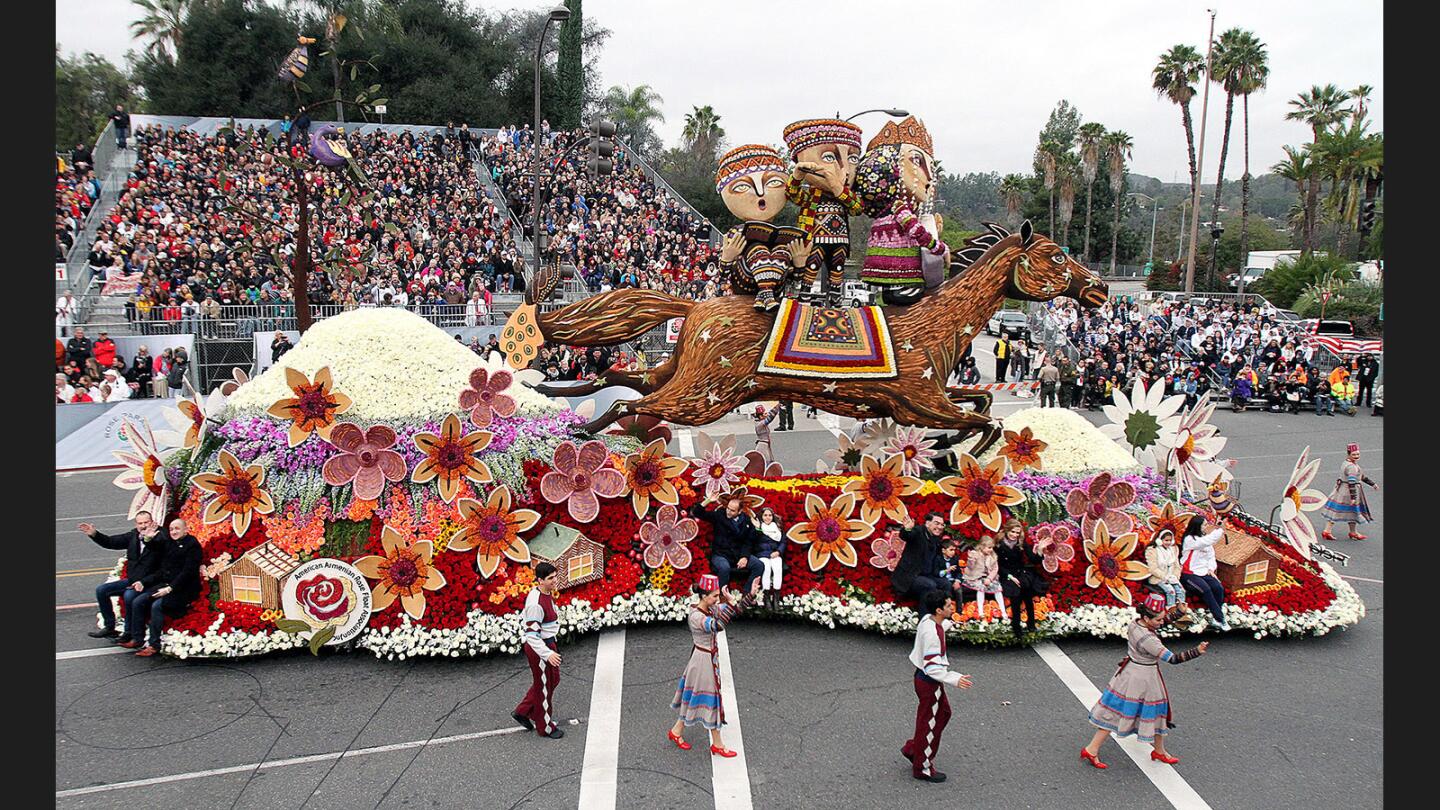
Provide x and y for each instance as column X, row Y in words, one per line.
column 381, row 488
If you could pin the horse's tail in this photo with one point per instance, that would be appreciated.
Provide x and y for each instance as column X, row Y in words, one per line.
column 611, row 317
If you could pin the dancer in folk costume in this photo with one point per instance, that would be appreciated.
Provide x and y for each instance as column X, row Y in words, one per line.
column 1347, row 502
column 698, row 695
column 762, row 430
column 932, row 672
column 757, row 256
column 826, row 152
column 541, row 622
column 896, row 182
column 1136, row 700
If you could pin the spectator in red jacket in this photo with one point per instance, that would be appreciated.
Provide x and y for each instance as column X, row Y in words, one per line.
column 104, row 350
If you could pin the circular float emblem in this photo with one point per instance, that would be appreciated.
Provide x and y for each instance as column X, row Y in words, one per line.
column 329, row 596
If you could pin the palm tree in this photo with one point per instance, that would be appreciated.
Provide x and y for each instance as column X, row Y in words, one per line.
column 1066, row 170
column 1012, row 191
column 1360, row 95
column 1321, row 108
column 161, row 24
column 1299, row 168
column 1090, row 137
column 1118, row 148
column 702, row 130
column 1048, row 154
column 1235, row 50
column 1251, row 67
column 1352, row 159
column 634, row 110
column 1174, row 78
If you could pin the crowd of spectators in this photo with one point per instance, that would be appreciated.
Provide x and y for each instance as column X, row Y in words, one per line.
column 618, row 230
column 76, row 192
column 93, row 371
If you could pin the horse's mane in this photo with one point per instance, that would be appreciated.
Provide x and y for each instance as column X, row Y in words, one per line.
column 977, row 246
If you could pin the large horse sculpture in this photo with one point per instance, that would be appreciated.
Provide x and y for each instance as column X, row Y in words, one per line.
column 714, row 368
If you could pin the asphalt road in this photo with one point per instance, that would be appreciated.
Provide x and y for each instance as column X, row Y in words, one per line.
column 1261, row 723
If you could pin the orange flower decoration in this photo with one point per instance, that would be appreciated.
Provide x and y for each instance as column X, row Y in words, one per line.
column 313, row 408
column 750, row 503
column 1023, row 449
column 1170, row 518
column 829, row 531
column 404, row 571
column 238, row 493
column 493, row 529
column 880, row 488
column 450, row 457
column 977, row 491
column 649, row 474
column 1109, row 563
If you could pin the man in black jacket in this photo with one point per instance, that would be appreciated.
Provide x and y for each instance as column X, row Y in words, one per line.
column 920, row 562
column 144, row 547
column 180, row 584
column 1365, row 374
column 732, row 547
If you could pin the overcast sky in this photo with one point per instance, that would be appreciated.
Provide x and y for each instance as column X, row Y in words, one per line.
column 983, row 76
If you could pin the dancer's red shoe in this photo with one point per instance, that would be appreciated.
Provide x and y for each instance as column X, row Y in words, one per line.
column 1165, row 758
column 1358, row 536
column 679, row 742
column 1327, row 535
column 722, row 751
column 1093, row 759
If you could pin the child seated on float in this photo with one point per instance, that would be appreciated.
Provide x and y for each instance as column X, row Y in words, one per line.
column 1163, row 557
column 982, row 575
column 951, row 570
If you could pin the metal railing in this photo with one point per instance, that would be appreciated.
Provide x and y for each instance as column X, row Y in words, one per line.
column 242, row 320
column 654, row 176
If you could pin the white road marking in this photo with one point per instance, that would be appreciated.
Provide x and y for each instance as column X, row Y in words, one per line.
column 282, row 763
column 1340, row 453
column 730, row 775
column 598, row 782
column 65, row 656
column 1172, row 786
column 1364, row 579
column 88, row 518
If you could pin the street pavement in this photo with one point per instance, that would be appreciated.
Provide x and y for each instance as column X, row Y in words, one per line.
column 822, row 713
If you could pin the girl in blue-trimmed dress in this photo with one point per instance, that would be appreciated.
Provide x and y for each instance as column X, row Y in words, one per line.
column 1347, row 503
column 697, row 697
column 1136, row 701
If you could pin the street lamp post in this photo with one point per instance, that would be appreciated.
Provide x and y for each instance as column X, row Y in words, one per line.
column 1154, row 214
column 1216, row 230
column 897, row 113
column 557, row 14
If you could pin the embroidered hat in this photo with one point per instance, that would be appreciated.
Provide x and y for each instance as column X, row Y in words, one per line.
column 1154, row 603
column 709, row 582
column 910, row 131
column 1352, row 448
column 802, row 135
column 743, row 160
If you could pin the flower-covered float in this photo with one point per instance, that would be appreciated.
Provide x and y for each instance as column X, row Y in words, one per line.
column 382, row 488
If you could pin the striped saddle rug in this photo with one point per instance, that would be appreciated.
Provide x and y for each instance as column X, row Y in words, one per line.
column 817, row 341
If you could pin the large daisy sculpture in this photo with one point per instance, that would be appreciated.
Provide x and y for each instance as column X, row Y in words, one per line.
column 1145, row 422
column 1298, row 500
column 144, row 471
column 190, row 419
column 845, row 456
column 1192, row 456
column 718, row 468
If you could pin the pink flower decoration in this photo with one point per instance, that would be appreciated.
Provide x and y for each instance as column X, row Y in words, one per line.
column 486, row 399
column 1052, row 541
column 365, row 458
column 886, row 550
column 579, row 478
column 1100, row 502
column 665, row 539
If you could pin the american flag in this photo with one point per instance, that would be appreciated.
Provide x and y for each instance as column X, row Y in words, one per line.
column 1341, row 345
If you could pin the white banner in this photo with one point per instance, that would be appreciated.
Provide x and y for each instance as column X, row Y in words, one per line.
column 90, row 445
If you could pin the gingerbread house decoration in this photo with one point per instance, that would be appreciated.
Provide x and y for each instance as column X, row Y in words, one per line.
column 255, row 578
column 577, row 558
column 1245, row 561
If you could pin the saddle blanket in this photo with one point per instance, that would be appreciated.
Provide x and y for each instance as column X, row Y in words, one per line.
column 817, row 341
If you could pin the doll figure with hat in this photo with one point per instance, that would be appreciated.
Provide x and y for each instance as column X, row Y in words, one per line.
column 756, row 255
column 896, row 183
column 826, row 152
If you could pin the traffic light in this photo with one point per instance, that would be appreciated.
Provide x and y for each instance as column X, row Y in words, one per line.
column 1367, row 216
column 602, row 147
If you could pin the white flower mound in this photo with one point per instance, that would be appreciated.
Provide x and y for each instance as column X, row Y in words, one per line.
column 1075, row 444
column 395, row 365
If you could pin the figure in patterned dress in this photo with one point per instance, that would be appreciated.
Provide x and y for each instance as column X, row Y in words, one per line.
column 896, row 182
column 541, row 622
column 826, row 152
column 1347, row 503
column 1136, row 700
column 932, row 672
column 698, row 695
column 757, row 256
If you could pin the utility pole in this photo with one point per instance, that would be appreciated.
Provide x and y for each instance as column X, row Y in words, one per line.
column 1200, row 160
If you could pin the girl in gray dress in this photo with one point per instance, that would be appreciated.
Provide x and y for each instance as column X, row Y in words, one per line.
column 698, row 695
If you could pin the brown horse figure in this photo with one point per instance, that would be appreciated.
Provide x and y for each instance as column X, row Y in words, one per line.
column 714, row 367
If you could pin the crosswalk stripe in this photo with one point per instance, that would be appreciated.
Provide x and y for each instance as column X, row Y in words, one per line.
column 598, row 780
column 730, row 775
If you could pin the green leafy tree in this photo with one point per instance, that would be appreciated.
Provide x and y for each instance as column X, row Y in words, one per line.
column 1320, row 108
column 1047, row 162
column 1352, row 159
column 703, row 132
column 571, row 67
column 1174, row 78
column 1090, row 137
column 1235, row 55
column 1068, row 168
column 1251, row 66
column 1283, row 284
column 1118, row 148
column 1012, row 191
column 87, row 88
column 162, row 23
column 635, row 111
